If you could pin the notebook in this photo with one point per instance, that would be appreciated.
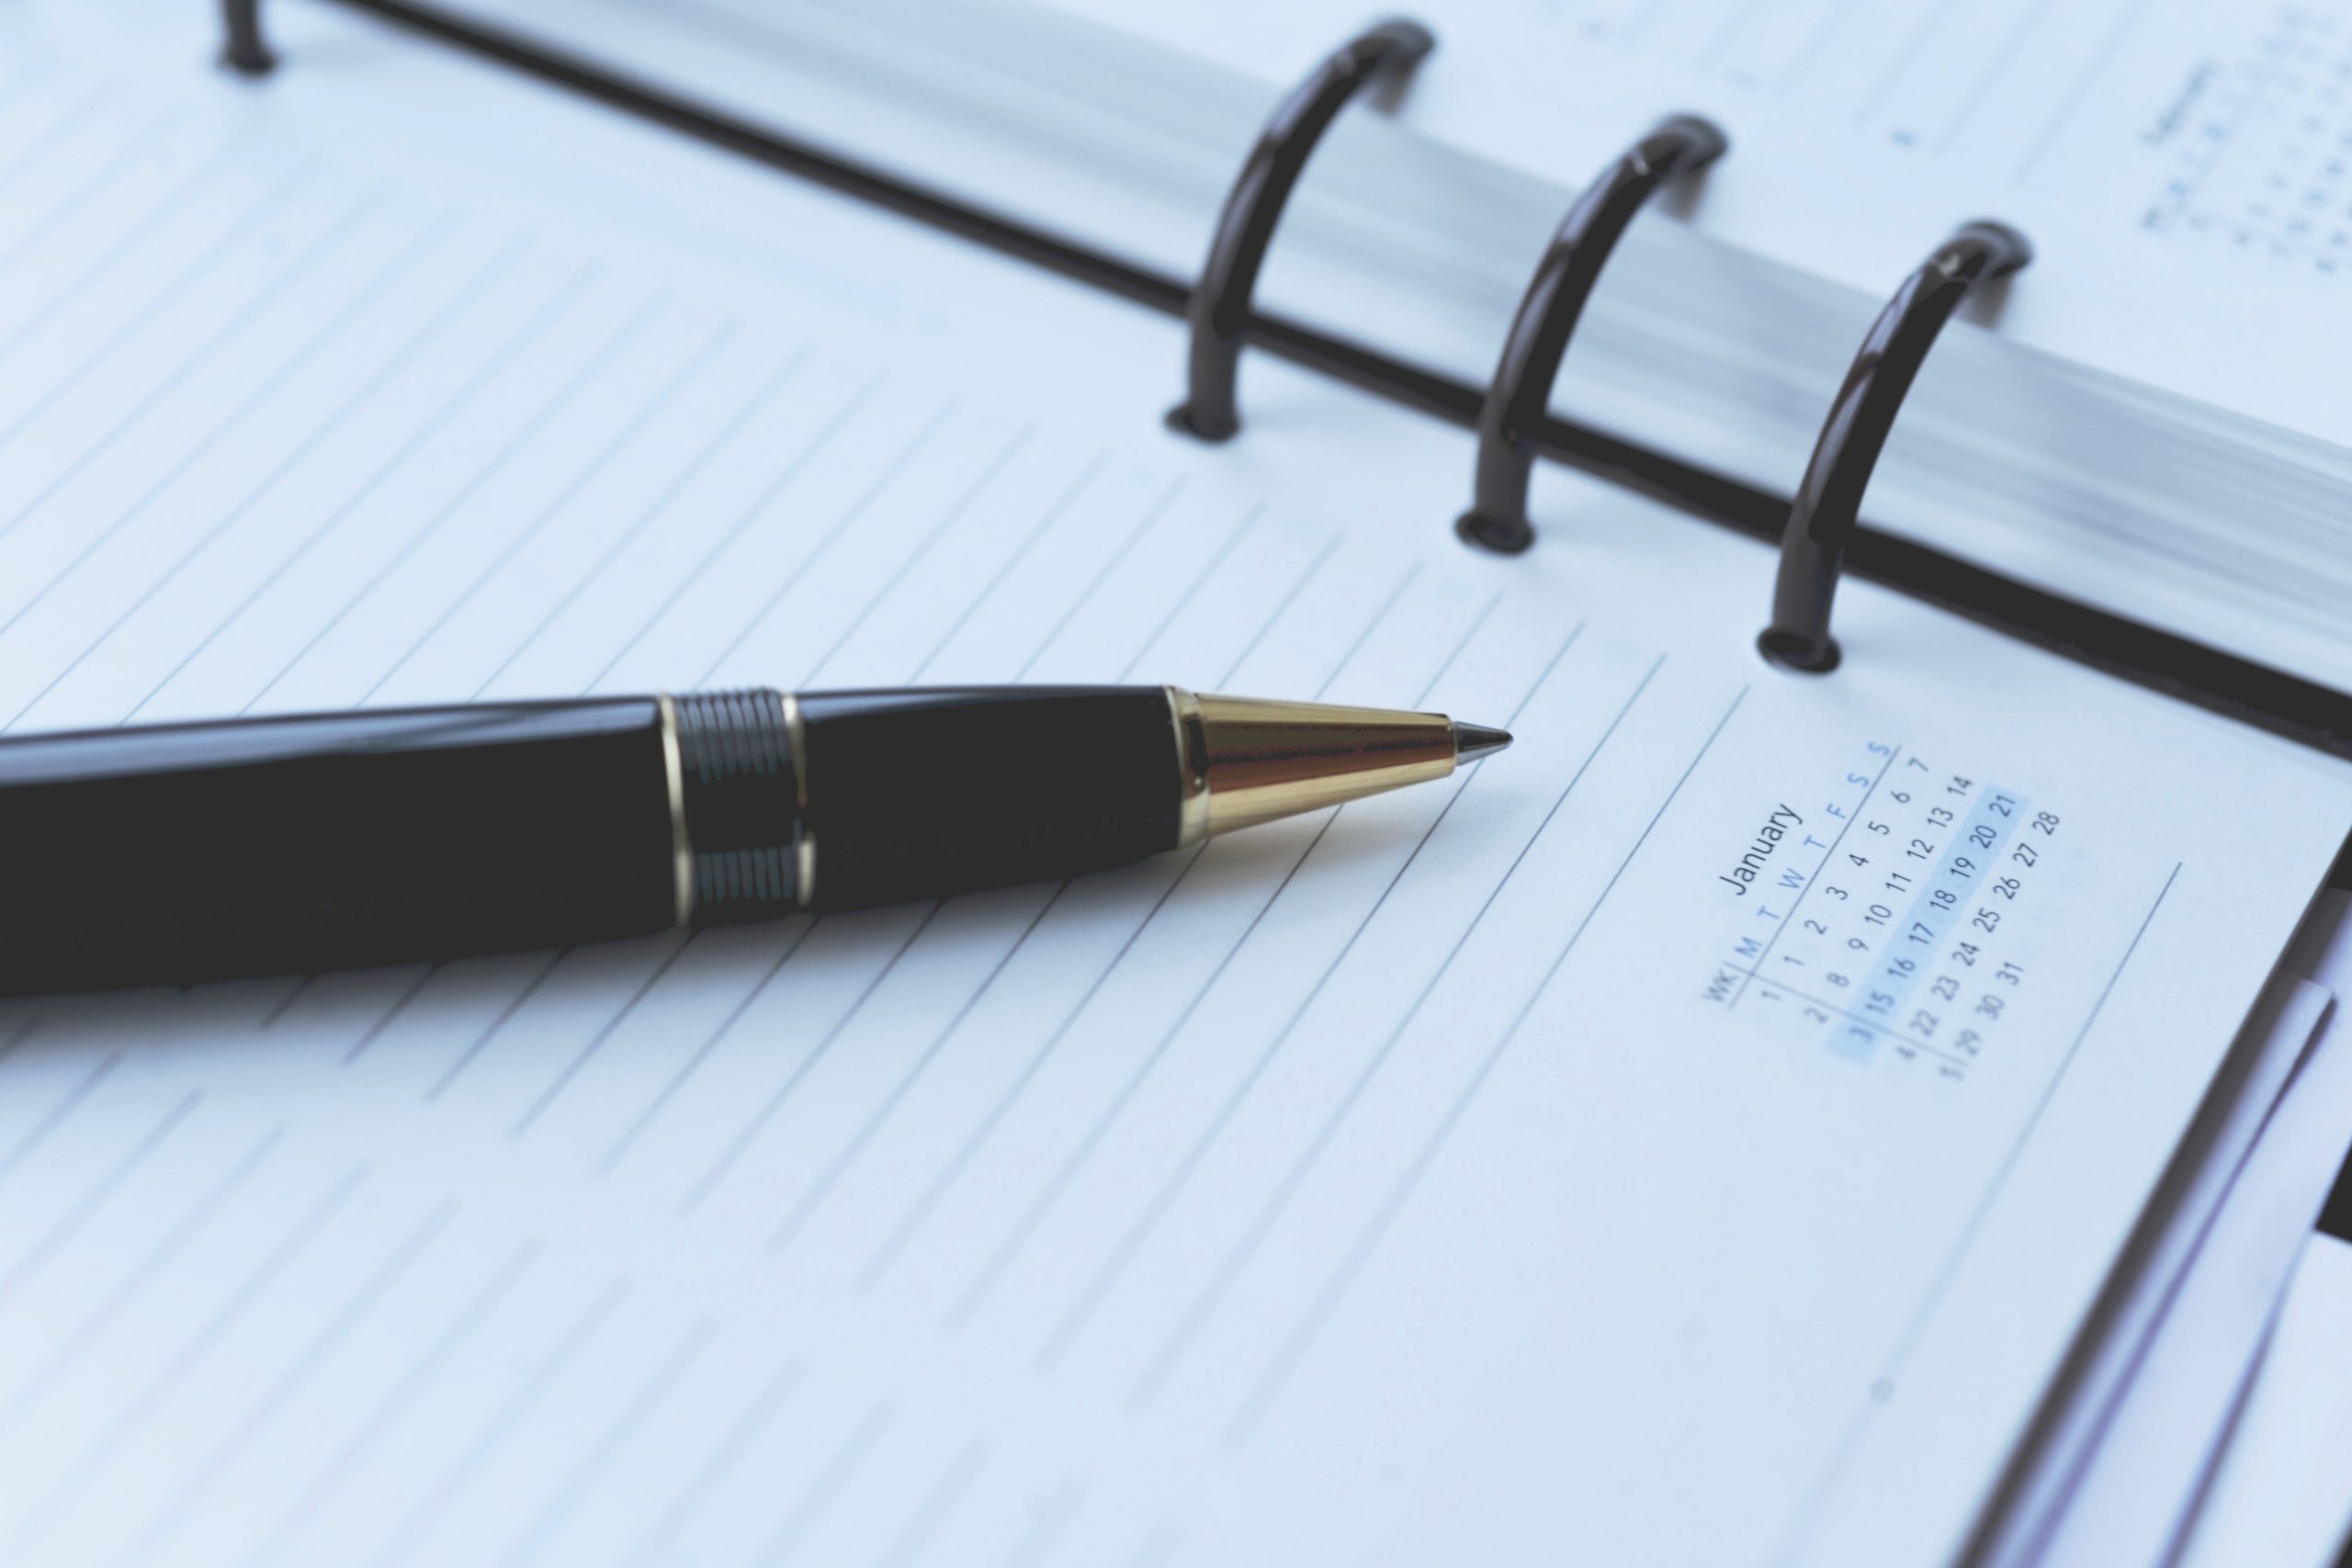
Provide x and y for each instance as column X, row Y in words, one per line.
column 2144, row 421
column 1701, row 1133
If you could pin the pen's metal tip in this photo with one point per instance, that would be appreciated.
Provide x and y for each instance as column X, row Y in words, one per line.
column 1471, row 741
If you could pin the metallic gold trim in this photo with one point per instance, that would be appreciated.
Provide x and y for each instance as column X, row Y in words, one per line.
column 1267, row 759
column 674, row 773
column 804, row 839
column 1191, row 767
column 797, row 737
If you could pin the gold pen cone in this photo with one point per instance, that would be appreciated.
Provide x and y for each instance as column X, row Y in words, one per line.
column 1251, row 759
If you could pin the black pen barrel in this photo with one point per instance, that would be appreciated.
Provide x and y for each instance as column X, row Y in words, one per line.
column 923, row 793
column 176, row 854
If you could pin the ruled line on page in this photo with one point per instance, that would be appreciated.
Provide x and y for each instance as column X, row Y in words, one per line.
column 589, row 1466
column 670, row 1090
column 313, row 345
column 1148, row 1219
column 911, row 1223
column 407, row 355
column 818, row 442
column 372, row 1427
column 785, row 1092
column 1016, row 1239
column 571, row 1068
column 40, row 1131
column 740, row 1144
column 1296, row 1343
column 716, row 1465
column 1200, row 578
column 652, row 1109
column 489, row 1031
column 285, row 1003
column 69, row 119
column 1049, row 1520
column 825, row 1487
column 127, row 1418
column 1204, row 1302
column 845, row 1158
column 134, row 236
column 385, row 1020
column 137, row 1279
column 655, row 402
column 163, row 1524
column 934, row 1508
column 155, row 305
column 483, row 376
column 736, row 1150
column 1117, row 558
column 803, row 568
column 1011, row 563
column 23, row 1032
column 1849, row 1445
column 1981, row 87
column 83, row 192
column 416, row 1525
column 946, row 520
column 567, row 1072
column 542, row 418
column 662, row 399
column 781, row 1236
column 91, row 1199
column 720, row 440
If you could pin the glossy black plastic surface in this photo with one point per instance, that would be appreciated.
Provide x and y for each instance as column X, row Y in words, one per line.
column 916, row 794
column 1538, row 341
column 1219, row 308
column 1827, row 508
column 184, row 852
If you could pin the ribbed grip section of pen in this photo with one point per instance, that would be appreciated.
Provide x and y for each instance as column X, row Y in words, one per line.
column 741, row 799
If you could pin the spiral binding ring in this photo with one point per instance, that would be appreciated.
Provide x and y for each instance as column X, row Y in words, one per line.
column 1547, row 318
column 1219, row 305
column 1829, row 502
column 244, row 51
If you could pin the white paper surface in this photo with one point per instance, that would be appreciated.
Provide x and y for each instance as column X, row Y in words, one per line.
column 2281, row 1496
column 1484, row 1171
column 2141, row 1492
column 2121, row 1465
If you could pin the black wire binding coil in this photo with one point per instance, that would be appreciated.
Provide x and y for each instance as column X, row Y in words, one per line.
column 2284, row 704
column 1219, row 307
column 1822, row 519
column 243, row 49
column 1521, row 390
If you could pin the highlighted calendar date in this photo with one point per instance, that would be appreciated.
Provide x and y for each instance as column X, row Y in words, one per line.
column 1884, row 919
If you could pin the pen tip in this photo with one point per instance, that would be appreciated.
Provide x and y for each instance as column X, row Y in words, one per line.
column 1471, row 741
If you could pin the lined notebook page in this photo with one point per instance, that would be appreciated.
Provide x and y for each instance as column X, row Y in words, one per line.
column 1691, row 1135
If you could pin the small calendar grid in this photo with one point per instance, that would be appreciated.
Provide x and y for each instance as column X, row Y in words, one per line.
column 1900, row 935
column 2261, row 149
column 1748, row 971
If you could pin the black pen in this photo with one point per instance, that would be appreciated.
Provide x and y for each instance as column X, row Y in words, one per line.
column 178, row 853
